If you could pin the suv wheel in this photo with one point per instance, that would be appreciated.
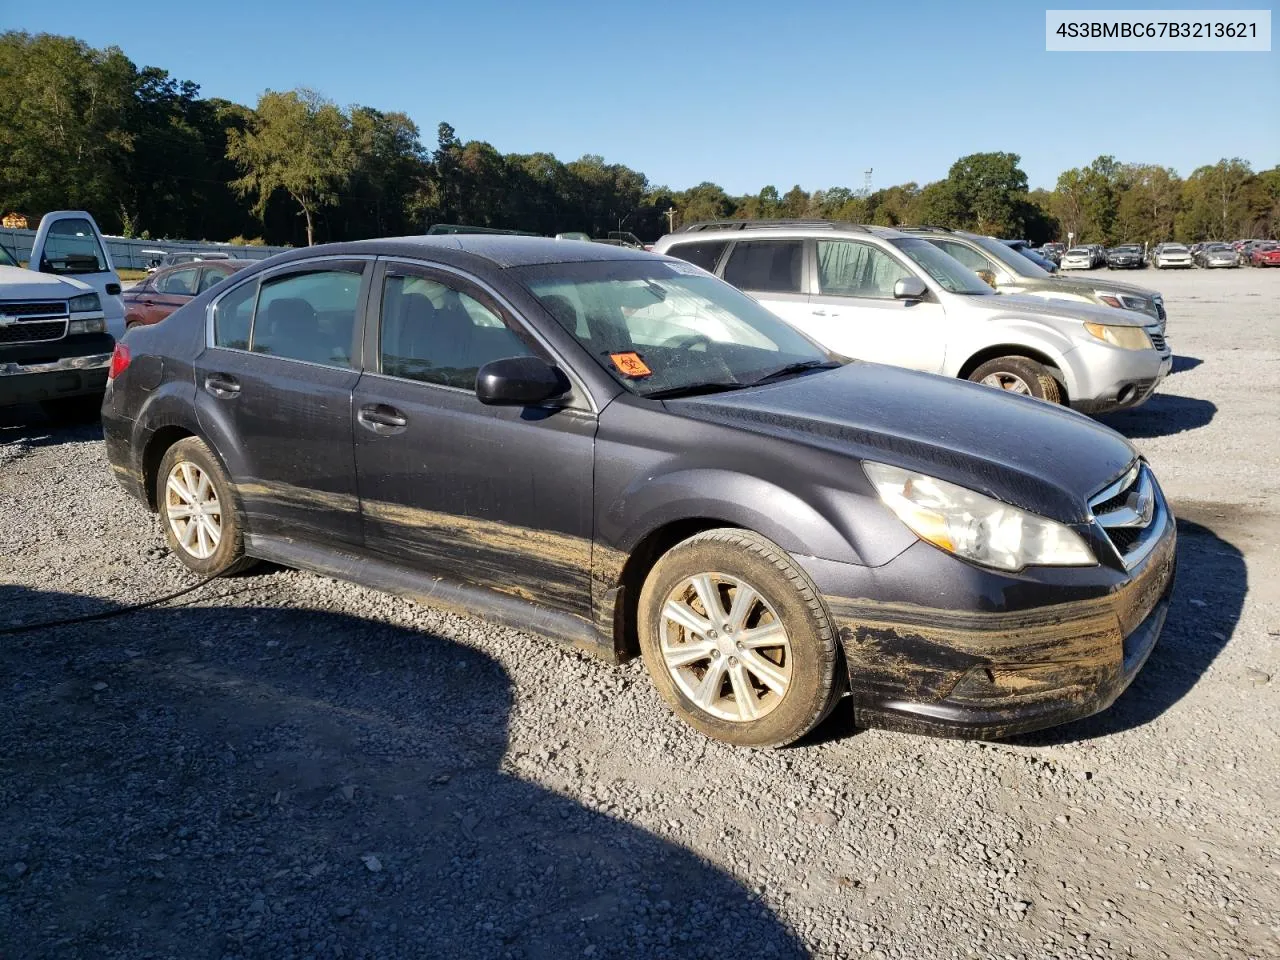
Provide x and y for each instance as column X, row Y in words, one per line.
column 1019, row 375
column 203, row 521
column 737, row 640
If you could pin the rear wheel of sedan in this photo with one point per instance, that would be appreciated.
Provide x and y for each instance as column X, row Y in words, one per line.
column 1019, row 375
column 738, row 640
column 203, row 521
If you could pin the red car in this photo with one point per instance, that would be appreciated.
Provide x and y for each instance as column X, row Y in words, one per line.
column 1265, row 255
column 153, row 299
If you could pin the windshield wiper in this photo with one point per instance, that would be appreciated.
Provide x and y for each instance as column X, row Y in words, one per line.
column 694, row 389
column 793, row 368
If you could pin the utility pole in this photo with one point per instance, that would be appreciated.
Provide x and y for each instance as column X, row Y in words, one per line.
column 671, row 220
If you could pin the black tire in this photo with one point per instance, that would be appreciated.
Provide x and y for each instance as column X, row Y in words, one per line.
column 815, row 683
column 228, row 557
column 1039, row 381
column 84, row 409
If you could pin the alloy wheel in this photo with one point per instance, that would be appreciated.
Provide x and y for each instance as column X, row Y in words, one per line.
column 725, row 647
column 191, row 506
column 1007, row 381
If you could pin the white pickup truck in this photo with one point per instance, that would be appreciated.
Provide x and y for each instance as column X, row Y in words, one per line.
column 59, row 317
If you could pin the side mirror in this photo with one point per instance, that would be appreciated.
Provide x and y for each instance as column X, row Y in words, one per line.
column 519, row 382
column 909, row 288
column 988, row 277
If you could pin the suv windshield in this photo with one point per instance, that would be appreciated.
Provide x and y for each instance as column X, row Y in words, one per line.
column 1011, row 258
column 6, row 258
column 665, row 328
column 1125, row 249
column 71, row 246
column 949, row 273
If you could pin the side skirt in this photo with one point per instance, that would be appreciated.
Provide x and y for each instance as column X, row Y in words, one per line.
column 467, row 599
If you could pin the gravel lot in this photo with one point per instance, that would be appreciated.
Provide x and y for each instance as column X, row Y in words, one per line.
column 280, row 765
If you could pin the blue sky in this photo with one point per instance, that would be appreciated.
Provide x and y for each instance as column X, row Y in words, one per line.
column 744, row 94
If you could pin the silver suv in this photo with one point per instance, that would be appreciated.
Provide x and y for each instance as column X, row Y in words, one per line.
column 1009, row 273
column 889, row 297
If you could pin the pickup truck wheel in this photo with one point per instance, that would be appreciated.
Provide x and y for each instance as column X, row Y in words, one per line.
column 73, row 409
column 737, row 639
column 1019, row 375
column 203, row 519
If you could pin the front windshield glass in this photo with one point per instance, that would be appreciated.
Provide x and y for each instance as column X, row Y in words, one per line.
column 948, row 272
column 72, row 247
column 1011, row 258
column 662, row 328
column 1127, row 249
column 7, row 258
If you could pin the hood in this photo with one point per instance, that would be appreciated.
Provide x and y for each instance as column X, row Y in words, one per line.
column 17, row 283
column 1039, row 457
column 1032, row 305
column 1090, row 286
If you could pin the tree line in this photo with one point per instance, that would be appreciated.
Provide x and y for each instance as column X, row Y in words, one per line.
column 148, row 156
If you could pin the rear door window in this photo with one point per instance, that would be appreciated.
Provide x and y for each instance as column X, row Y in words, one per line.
column 704, row 254
column 180, row 283
column 309, row 316
column 233, row 316
column 767, row 266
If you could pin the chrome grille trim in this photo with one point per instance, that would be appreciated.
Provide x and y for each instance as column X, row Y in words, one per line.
column 1131, row 514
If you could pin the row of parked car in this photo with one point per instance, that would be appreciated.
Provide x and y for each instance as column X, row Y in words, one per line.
column 1163, row 256
column 674, row 455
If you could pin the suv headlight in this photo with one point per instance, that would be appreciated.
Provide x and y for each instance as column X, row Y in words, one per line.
column 84, row 303
column 96, row 325
column 976, row 527
column 1126, row 338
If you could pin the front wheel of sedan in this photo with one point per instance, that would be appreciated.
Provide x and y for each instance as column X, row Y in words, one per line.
column 1019, row 375
column 202, row 518
column 738, row 640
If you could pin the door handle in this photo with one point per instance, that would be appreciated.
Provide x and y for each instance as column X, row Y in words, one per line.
column 819, row 313
column 222, row 385
column 382, row 419
column 149, row 303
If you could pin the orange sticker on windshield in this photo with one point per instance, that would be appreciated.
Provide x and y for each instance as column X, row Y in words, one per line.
column 630, row 365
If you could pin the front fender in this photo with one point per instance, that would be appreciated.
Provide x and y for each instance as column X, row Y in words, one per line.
column 831, row 524
column 1021, row 335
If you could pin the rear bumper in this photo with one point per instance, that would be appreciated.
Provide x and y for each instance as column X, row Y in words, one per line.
column 989, row 655
column 53, row 379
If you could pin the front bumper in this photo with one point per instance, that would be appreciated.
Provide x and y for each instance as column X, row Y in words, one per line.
column 29, row 382
column 983, row 655
column 1107, row 379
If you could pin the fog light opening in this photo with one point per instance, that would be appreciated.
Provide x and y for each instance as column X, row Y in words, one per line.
column 1127, row 394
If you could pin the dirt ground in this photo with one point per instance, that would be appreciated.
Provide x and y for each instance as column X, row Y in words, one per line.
column 284, row 766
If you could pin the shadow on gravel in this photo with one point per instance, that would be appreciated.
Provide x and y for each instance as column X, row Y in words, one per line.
column 228, row 782
column 1207, row 599
column 1183, row 364
column 30, row 426
column 1163, row 415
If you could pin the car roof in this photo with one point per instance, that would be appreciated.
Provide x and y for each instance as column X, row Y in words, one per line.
column 759, row 231
column 500, row 250
column 239, row 263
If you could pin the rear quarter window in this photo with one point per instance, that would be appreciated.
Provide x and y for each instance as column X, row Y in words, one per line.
column 704, row 254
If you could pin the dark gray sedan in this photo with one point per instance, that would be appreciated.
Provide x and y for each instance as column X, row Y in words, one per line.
column 618, row 450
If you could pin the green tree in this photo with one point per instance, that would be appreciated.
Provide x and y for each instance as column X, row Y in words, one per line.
column 990, row 192
column 299, row 143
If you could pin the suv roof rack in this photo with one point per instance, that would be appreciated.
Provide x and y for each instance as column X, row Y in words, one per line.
column 926, row 226
column 702, row 225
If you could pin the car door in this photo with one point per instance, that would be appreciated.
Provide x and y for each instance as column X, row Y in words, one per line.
column 498, row 497
column 274, row 386
column 771, row 271
column 68, row 243
column 854, row 311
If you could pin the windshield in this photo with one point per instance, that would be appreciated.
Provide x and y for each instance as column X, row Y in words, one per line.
column 1010, row 258
column 1077, row 252
column 1218, row 246
column 948, row 272
column 1175, row 248
column 6, row 258
column 72, row 247
column 1042, row 262
column 1125, row 249
column 661, row 327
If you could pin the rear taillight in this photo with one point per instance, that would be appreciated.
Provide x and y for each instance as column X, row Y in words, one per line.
column 120, row 358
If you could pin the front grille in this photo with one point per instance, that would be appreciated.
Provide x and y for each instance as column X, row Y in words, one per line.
column 33, row 308
column 33, row 331
column 1126, row 510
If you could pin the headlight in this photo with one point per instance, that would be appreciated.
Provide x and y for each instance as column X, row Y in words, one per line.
column 976, row 527
column 84, row 303
column 97, row 325
column 1126, row 338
